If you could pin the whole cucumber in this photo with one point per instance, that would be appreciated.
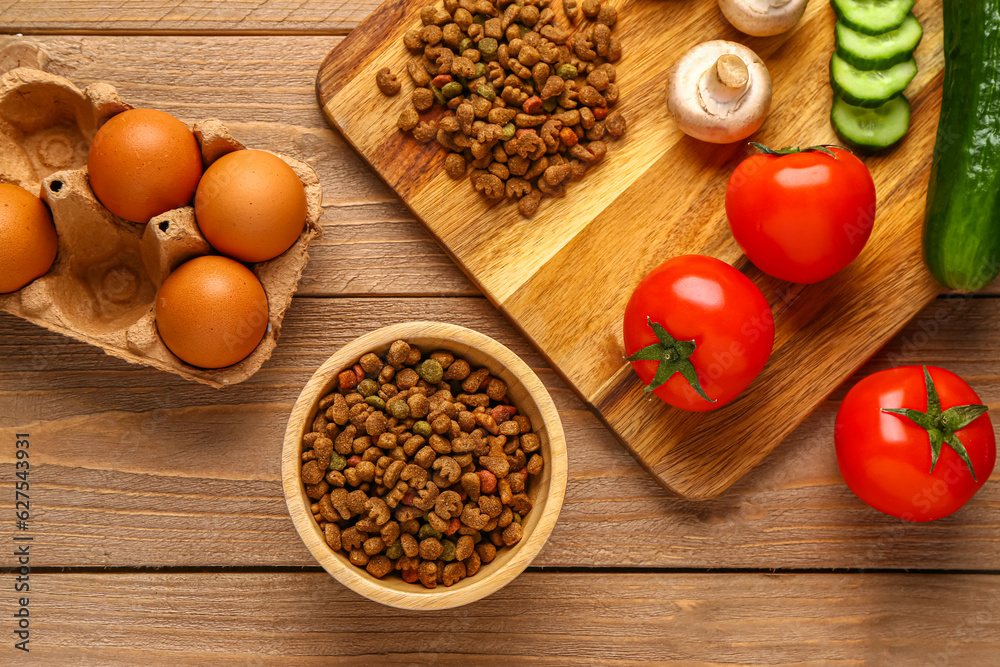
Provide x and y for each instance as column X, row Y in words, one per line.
column 962, row 221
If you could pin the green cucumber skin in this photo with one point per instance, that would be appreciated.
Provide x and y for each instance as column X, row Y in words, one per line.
column 962, row 221
column 868, row 102
column 863, row 29
column 867, row 60
column 861, row 144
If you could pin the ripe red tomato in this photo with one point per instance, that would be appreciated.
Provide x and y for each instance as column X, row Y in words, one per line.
column 801, row 216
column 695, row 323
column 888, row 429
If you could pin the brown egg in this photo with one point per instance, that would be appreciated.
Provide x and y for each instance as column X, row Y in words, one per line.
column 211, row 312
column 28, row 241
column 250, row 205
column 143, row 163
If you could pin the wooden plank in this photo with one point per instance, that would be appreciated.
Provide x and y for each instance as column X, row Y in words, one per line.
column 540, row 618
column 285, row 17
column 565, row 275
column 139, row 468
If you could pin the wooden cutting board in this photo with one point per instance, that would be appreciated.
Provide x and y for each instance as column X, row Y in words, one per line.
column 565, row 275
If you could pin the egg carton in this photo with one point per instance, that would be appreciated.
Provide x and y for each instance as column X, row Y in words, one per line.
column 102, row 287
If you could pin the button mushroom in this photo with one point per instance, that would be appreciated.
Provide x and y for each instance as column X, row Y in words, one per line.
column 719, row 92
column 763, row 18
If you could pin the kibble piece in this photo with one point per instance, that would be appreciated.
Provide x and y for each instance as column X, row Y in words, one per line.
column 371, row 364
column 454, row 165
column 379, row 566
column 367, row 387
column 376, row 424
column 465, row 547
column 453, row 573
column 607, row 15
column 419, row 407
column 373, row 545
column 488, row 46
column 431, row 548
column 474, row 381
column 512, row 534
column 409, row 545
column 425, row 131
column 496, row 389
column 528, row 204
column 387, row 82
column 423, row 99
column 427, row 573
column 407, row 378
column 615, row 124
column 422, row 429
column 431, row 34
column 408, row 120
column 332, row 534
column 472, row 564
column 412, row 40
column 487, row 551
column 430, row 371
column 311, row 473
column 459, row 370
column 441, row 424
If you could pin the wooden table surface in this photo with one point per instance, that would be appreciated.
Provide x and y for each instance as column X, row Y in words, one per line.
column 160, row 531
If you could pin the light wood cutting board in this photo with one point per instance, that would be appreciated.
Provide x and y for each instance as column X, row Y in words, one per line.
column 565, row 275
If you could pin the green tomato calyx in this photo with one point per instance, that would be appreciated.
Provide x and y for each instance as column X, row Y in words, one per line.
column 792, row 150
column 673, row 356
column 941, row 426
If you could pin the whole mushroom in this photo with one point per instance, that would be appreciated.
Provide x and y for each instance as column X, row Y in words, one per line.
column 763, row 18
column 719, row 92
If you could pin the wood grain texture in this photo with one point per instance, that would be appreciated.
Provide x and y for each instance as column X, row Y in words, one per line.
column 565, row 275
column 546, row 490
column 541, row 618
column 139, row 468
column 286, row 17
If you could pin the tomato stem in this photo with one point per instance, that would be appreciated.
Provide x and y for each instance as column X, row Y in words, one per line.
column 673, row 356
column 941, row 426
column 792, row 150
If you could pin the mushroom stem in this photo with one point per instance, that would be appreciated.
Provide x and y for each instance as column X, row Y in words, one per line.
column 732, row 71
column 723, row 84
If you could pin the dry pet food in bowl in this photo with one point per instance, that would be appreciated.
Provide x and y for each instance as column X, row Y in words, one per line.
column 424, row 465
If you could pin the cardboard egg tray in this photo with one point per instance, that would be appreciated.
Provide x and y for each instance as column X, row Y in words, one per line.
column 102, row 288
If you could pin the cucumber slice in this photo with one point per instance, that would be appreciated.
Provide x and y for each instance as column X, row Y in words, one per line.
column 871, row 129
column 879, row 51
column 870, row 88
column 872, row 17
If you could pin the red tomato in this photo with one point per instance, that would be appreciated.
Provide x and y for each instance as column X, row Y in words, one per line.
column 803, row 216
column 887, row 458
column 720, row 324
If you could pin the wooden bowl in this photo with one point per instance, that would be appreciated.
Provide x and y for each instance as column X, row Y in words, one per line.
column 546, row 490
